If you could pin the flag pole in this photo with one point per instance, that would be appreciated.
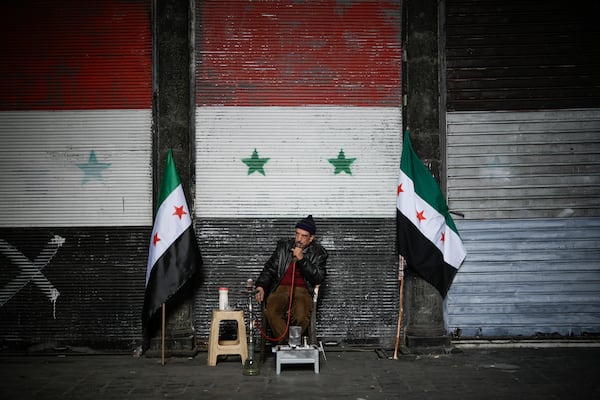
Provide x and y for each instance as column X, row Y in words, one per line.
column 163, row 335
column 400, row 311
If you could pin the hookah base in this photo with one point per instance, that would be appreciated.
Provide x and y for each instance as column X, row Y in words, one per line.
column 250, row 368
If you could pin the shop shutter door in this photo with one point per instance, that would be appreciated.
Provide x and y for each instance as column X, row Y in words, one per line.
column 311, row 91
column 75, row 170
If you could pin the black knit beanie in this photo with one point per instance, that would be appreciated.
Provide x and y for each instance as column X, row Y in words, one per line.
column 308, row 224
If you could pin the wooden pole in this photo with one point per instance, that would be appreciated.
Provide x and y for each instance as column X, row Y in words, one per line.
column 401, row 309
column 164, row 324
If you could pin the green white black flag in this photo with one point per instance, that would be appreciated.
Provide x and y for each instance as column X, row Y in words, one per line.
column 427, row 236
column 174, row 256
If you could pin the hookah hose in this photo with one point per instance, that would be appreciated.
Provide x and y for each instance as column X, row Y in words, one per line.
column 289, row 312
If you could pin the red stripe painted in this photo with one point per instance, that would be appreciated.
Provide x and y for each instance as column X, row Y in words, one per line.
column 75, row 54
column 299, row 53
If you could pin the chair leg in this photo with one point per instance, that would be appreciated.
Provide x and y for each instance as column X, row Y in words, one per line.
column 312, row 328
column 312, row 332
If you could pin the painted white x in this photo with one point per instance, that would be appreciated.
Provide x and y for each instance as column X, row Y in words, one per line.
column 30, row 271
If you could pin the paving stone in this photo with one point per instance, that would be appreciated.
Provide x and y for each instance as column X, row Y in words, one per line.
column 549, row 373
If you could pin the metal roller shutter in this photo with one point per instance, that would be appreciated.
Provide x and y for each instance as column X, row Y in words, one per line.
column 75, row 170
column 522, row 158
column 298, row 112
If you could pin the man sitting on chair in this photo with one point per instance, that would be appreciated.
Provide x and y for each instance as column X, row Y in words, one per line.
column 300, row 260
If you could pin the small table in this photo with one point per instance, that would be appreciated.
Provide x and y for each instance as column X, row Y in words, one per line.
column 286, row 354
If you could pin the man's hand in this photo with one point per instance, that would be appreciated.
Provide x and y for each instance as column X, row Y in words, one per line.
column 260, row 294
column 298, row 254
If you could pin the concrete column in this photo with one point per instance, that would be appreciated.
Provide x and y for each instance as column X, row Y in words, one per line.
column 424, row 305
column 173, row 129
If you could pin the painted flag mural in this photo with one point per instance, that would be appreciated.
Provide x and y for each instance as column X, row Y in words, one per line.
column 427, row 236
column 298, row 97
column 298, row 112
column 173, row 256
column 338, row 158
column 75, row 113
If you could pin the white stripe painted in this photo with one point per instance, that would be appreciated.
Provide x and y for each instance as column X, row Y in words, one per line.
column 409, row 204
column 298, row 177
column 42, row 184
column 524, row 164
column 168, row 226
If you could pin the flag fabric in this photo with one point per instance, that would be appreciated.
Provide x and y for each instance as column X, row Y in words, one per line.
column 174, row 256
column 427, row 236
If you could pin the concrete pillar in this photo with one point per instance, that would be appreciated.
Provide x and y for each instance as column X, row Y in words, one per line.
column 424, row 305
column 173, row 129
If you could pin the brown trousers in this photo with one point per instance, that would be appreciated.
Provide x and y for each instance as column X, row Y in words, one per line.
column 277, row 307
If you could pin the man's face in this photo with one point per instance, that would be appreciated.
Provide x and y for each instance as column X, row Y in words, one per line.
column 303, row 238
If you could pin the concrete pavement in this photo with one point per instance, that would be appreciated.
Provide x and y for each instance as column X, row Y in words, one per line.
column 526, row 373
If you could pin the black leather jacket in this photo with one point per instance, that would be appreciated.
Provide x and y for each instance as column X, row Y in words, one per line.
column 312, row 266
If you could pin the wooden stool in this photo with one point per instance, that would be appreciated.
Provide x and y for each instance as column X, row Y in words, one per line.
column 218, row 347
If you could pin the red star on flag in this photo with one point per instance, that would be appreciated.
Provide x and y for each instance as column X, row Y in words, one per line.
column 179, row 211
column 156, row 239
column 443, row 238
column 420, row 215
column 400, row 189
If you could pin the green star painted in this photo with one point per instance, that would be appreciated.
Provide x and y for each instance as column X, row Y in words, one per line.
column 341, row 163
column 255, row 163
column 92, row 170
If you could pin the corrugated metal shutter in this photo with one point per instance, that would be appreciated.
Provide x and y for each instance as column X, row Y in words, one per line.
column 522, row 55
column 531, row 276
column 312, row 91
column 75, row 114
column 527, row 182
column 527, row 277
column 72, row 286
column 75, row 171
column 538, row 164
